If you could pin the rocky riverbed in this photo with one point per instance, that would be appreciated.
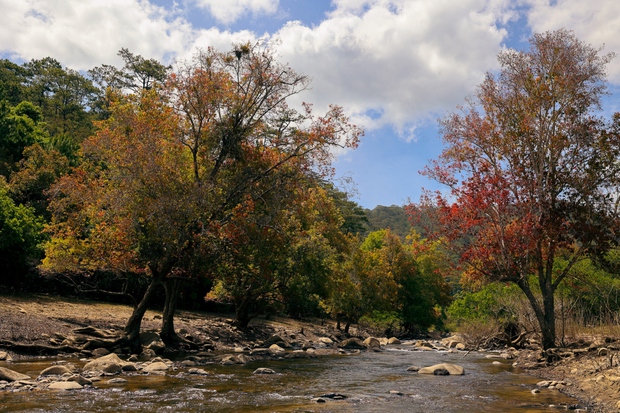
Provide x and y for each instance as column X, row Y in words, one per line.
column 588, row 370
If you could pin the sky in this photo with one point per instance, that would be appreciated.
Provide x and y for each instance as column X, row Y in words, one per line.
column 395, row 66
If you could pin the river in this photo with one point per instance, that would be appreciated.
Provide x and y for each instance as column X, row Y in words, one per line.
column 365, row 380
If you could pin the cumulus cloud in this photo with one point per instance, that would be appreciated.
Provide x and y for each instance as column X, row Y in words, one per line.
column 82, row 34
column 230, row 10
column 397, row 62
column 596, row 24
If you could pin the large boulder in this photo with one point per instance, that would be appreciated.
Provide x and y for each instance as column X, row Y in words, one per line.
column 65, row 385
column 394, row 341
column 352, row 344
column 156, row 366
column 452, row 369
column 275, row 339
column 108, row 364
column 372, row 342
column 12, row 375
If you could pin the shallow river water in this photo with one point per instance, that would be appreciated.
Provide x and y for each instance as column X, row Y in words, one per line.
column 365, row 379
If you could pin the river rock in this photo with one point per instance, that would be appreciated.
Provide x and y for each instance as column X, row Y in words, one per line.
column 4, row 356
column 452, row 369
column 199, row 372
column 108, row 364
column 148, row 353
column 393, row 341
column 263, row 370
column 333, row 396
column 65, row 385
column 117, row 380
column 325, row 340
column 413, row 368
column 276, row 349
column 100, row 352
column 260, row 351
column 156, row 366
column 11, row 375
column 83, row 381
column 55, row 371
column 372, row 342
column 152, row 341
column 352, row 344
column 275, row 339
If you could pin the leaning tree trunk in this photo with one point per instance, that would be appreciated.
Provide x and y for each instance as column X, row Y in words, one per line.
column 132, row 328
column 172, row 287
column 545, row 314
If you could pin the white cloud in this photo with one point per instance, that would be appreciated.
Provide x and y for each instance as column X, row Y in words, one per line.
column 597, row 23
column 403, row 61
column 388, row 62
column 83, row 34
column 228, row 11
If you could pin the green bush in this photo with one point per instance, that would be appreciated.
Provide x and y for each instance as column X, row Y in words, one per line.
column 20, row 237
column 494, row 302
column 381, row 323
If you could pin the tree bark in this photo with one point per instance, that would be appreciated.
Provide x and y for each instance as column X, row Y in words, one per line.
column 242, row 311
column 132, row 328
column 172, row 287
column 545, row 314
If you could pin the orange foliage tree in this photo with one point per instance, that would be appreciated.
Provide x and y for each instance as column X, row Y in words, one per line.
column 173, row 165
column 532, row 170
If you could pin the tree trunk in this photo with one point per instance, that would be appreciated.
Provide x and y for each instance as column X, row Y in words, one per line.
column 548, row 326
column 132, row 328
column 242, row 311
column 346, row 327
column 545, row 314
column 172, row 287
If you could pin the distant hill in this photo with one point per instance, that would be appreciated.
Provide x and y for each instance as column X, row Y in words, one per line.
column 392, row 217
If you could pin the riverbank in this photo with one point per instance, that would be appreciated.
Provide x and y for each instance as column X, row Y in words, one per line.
column 42, row 322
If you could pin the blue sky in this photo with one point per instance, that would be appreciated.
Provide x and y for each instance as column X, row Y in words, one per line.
column 396, row 66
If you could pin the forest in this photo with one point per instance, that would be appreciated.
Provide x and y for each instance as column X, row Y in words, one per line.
column 196, row 185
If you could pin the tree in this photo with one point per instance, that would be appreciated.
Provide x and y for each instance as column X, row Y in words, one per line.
column 539, row 171
column 392, row 217
column 65, row 97
column 172, row 165
column 20, row 127
column 20, row 236
column 273, row 248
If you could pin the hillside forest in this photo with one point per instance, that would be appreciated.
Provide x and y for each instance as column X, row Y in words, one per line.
column 196, row 185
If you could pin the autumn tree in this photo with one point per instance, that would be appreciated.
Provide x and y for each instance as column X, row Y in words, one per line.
column 173, row 165
column 532, row 171
column 279, row 253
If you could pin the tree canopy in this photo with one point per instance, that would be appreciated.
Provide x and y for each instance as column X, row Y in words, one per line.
column 532, row 170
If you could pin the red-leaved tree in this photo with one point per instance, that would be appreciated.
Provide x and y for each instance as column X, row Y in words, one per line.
column 532, row 169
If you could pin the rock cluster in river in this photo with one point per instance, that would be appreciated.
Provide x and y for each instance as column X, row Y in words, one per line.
column 105, row 367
